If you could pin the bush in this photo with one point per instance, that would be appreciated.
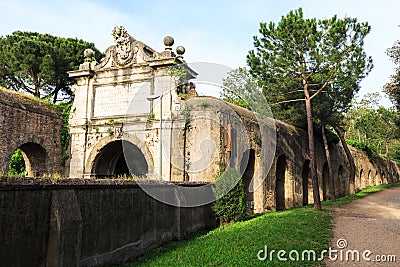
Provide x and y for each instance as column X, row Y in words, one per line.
column 17, row 163
column 229, row 191
column 369, row 150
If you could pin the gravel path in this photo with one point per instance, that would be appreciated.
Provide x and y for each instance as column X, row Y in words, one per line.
column 371, row 223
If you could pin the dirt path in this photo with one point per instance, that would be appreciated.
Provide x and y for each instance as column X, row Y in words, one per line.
column 371, row 223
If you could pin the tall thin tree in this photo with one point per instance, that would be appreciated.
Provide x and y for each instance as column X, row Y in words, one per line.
column 297, row 59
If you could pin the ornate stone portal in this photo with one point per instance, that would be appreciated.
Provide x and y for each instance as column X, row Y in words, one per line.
column 124, row 106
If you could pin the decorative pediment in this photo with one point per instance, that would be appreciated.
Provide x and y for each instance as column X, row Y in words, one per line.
column 126, row 51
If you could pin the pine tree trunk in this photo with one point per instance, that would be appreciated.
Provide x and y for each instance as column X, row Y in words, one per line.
column 390, row 174
column 55, row 95
column 328, row 160
column 387, row 149
column 349, row 158
column 36, row 84
column 311, row 147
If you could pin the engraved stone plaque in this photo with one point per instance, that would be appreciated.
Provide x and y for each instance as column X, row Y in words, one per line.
column 120, row 100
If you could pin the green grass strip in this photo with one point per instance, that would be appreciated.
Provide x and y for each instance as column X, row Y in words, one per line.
column 237, row 244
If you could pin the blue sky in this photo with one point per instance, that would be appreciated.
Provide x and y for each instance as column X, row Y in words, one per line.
column 211, row 31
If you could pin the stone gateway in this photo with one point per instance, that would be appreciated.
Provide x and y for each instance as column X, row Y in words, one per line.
column 124, row 106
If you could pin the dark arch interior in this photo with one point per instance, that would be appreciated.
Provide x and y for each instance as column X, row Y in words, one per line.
column 305, row 178
column 369, row 178
column 342, row 181
column 119, row 158
column 35, row 157
column 280, row 182
column 121, row 167
column 247, row 168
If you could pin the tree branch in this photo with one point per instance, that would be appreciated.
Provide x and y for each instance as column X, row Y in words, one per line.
column 286, row 101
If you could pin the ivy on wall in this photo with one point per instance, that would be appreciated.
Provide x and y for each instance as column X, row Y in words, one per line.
column 230, row 205
column 64, row 132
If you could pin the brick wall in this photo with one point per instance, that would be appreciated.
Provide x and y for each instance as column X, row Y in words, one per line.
column 32, row 126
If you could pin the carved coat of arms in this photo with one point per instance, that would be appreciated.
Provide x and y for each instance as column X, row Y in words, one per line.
column 123, row 52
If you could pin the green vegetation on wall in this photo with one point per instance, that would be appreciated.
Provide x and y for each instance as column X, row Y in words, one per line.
column 64, row 132
column 369, row 150
column 231, row 206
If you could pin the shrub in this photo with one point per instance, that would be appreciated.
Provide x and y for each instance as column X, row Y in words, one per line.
column 230, row 204
column 369, row 150
column 151, row 116
column 17, row 163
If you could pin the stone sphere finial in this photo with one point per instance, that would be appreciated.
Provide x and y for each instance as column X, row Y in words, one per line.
column 168, row 42
column 88, row 53
column 180, row 50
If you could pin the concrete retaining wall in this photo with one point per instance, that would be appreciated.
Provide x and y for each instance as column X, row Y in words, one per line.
column 87, row 223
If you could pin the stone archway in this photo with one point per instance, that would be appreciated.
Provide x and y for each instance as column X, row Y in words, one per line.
column 370, row 180
column 247, row 167
column 108, row 157
column 361, row 181
column 119, row 157
column 384, row 178
column 305, row 174
column 35, row 157
column 280, row 183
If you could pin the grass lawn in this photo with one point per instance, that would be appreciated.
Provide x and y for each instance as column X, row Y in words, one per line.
column 237, row 244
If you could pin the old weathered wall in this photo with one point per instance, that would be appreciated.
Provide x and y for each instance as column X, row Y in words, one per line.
column 87, row 222
column 218, row 134
column 34, row 128
column 290, row 175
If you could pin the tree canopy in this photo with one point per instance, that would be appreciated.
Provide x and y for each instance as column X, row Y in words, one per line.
column 393, row 87
column 326, row 55
column 37, row 63
column 374, row 126
column 300, row 59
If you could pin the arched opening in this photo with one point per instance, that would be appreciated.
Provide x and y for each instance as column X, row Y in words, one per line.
column 34, row 160
column 305, row 174
column 247, row 168
column 370, row 180
column 325, row 181
column 280, row 182
column 119, row 158
column 378, row 178
column 341, row 181
column 383, row 177
column 360, row 180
